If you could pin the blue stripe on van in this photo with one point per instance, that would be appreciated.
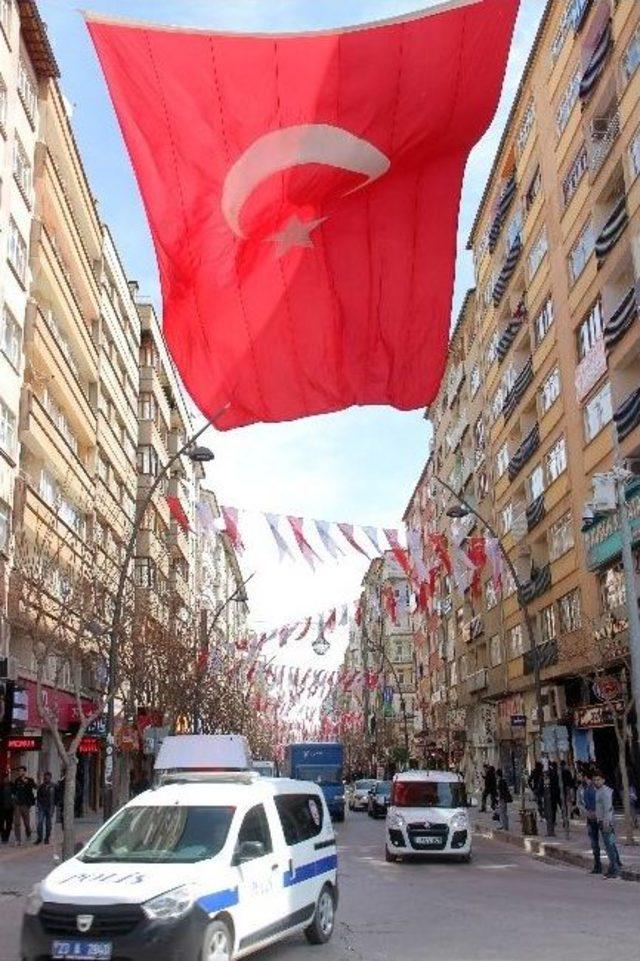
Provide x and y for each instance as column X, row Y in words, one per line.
column 219, row 900
column 311, row 870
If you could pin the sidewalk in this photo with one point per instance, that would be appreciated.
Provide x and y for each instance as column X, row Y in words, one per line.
column 574, row 850
column 22, row 865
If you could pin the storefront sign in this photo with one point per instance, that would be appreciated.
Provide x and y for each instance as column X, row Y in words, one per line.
column 518, row 720
column 606, row 688
column 98, row 728
column 602, row 541
column 24, row 743
column 62, row 703
column 90, row 745
column 597, row 715
column 127, row 738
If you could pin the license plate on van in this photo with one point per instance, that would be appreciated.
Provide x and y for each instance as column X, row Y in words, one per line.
column 426, row 841
column 82, row 950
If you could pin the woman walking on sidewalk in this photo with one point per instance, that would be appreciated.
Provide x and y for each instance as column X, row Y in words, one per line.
column 6, row 808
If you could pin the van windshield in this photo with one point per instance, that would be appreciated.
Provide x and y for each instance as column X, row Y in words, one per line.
column 429, row 794
column 162, row 835
column 320, row 773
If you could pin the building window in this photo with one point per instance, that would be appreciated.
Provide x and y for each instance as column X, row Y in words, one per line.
column 634, row 152
column 550, row 391
column 147, row 460
column 561, row 536
column 492, row 349
column 71, row 516
column 568, row 102
column 10, row 337
column 535, row 482
column 48, row 488
column 548, row 625
column 514, row 230
column 17, row 250
column 5, row 17
column 22, row 170
column 495, row 650
column 516, row 641
column 145, row 572
column 631, row 56
column 542, row 321
column 526, row 126
column 474, row 380
column 598, row 412
column 570, row 610
column 590, row 330
column 5, row 525
column 4, row 100
column 7, row 429
column 490, row 596
column 613, row 589
column 575, row 174
column 533, row 190
column 502, row 460
column 148, row 354
column 581, row 251
column 27, row 91
column 482, row 485
column 537, row 253
column 147, row 407
column 506, row 519
column 556, row 460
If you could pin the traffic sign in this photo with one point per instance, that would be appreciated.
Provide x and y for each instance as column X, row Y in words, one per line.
column 518, row 720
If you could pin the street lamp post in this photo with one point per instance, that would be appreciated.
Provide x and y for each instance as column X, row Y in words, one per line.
column 200, row 455
column 463, row 510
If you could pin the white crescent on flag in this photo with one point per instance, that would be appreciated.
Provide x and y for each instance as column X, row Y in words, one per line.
column 289, row 147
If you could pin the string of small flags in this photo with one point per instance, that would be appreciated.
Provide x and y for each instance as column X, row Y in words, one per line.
column 314, row 540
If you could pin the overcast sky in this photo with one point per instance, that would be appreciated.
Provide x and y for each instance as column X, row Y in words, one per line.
column 358, row 466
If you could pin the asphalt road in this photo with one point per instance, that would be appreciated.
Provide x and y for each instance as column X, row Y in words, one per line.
column 503, row 906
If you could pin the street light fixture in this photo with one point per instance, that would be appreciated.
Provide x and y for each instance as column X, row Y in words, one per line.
column 200, row 455
column 321, row 644
column 458, row 512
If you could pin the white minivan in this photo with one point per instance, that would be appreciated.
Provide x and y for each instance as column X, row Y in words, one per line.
column 428, row 814
column 208, row 866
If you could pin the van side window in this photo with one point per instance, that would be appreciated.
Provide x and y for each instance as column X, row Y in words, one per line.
column 301, row 816
column 255, row 827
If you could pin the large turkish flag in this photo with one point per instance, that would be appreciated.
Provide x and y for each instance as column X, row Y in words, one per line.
column 303, row 193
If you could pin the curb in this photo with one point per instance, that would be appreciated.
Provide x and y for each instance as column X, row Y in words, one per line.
column 549, row 851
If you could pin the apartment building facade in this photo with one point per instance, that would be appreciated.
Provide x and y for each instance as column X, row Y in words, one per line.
column 548, row 393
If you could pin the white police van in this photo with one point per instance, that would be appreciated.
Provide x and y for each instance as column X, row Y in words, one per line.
column 212, row 864
column 427, row 814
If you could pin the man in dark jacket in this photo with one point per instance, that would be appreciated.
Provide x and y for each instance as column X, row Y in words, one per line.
column 23, row 798
column 45, row 806
column 6, row 808
column 489, row 787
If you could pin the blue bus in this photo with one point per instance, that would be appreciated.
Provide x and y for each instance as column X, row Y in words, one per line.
column 322, row 763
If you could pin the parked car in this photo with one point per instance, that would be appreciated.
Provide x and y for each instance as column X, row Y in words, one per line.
column 359, row 795
column 379, row 799
column 428, row 815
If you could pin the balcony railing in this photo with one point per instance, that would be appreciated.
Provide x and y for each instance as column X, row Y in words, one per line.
column 621, row 319
column 546, row 653
column 596, row 64
column 507, row 270
column 526, row 450
column 535, row 512
column 477, row 681
column 627, row 416
column 508, row 193
column 612, row 230
column 511, row 331
column 515, row 395
column 604, row 132
column 539, row 583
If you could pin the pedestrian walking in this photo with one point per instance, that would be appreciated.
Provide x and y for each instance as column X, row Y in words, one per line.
column 536, row 784
column 24, row 798
column 569, row 787
column 45, row 807
column 6, row 808
column 489, row 789
column 604, row 816
column 554, row 790
column 587, row 804
column 59, row 800
column 504, row 799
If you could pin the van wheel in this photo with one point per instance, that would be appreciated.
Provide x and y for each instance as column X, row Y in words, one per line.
column 218, row 943
column 466, row 858
column 388, row 856
column 321, row 928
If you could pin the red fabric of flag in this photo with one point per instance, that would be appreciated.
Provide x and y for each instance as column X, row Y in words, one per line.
column 302, row 193
column 177, row 512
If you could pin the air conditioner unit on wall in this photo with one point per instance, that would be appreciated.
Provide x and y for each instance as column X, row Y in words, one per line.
column 604, row 492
